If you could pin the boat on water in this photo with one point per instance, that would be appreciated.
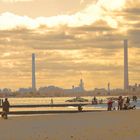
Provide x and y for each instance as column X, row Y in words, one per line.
column 77, row 99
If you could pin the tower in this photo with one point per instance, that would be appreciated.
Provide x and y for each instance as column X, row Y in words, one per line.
column 81, row 85
column 33, row 74
column 108, row 88
column 126, row 80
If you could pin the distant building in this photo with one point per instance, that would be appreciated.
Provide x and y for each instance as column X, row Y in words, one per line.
column 100, row 91
column 80, row 88
column 76, row 89
column 134, row 88
column 81, row 85
column 49, row 89
column 24, row 90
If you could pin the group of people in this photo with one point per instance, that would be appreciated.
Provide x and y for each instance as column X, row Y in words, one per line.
column 5, row 108
column 122, row 104
column 134, row 98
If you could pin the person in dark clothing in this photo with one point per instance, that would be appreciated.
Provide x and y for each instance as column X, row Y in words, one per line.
column 51, row 101
column 120, row 103
column 127, row 101
column 80, row 108
column 94, row 100
column 125, row 107
column 129, row 107
column 5, row 109
column 134, row 98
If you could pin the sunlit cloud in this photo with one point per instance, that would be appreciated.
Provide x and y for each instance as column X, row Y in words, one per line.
column 12, row 1
column 82, row 1
column 87, row 41
column 111, row 4
column 90, row 14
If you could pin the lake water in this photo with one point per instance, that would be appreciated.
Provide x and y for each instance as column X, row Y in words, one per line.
column 60, row 100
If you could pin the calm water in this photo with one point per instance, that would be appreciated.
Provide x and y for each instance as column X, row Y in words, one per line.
column 60, row 100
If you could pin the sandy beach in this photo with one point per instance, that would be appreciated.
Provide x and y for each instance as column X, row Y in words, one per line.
column 115, row 125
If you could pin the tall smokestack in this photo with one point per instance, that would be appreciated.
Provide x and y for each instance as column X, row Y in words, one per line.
column 126, row 80
column 33, row 74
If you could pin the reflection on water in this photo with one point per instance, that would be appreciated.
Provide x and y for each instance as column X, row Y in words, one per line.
column 45, row 100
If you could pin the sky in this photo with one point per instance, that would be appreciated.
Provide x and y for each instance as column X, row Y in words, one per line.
column 72, row 39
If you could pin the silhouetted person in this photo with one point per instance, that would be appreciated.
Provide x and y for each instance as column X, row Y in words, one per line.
column 125, row 107
column 135, row 98
column 127, row 101
column 94, row 100
column 51, row 101
column 101, row 101
column 120, row 103
column 80, row 108
column 5, row 108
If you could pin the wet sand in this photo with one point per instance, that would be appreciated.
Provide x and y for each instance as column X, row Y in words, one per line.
column 115, row 125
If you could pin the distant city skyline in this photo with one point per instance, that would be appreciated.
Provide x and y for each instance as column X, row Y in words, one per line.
column 69, row 38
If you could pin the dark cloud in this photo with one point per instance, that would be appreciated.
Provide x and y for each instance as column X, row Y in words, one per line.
column 133, row 11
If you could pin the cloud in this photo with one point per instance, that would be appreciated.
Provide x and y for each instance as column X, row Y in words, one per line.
column 64, row 50
column 87, row 16
column 13, row 1
column 82, row 1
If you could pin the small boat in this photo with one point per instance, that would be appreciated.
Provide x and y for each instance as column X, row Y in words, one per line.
column 77, row 99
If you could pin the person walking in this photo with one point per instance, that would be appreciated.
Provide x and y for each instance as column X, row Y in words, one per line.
column 5, row 108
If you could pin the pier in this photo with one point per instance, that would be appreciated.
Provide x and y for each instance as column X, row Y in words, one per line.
column 78, row 105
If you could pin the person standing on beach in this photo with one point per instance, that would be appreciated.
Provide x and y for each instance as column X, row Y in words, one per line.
column 134, row 98
column 127, row 101
column 110, row 102
column 94, row 100
column 120, row 103
column 51, row 101
column 5, row 108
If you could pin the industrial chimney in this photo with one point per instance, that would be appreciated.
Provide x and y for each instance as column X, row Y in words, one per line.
column 33, row 74
column 126, row 80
